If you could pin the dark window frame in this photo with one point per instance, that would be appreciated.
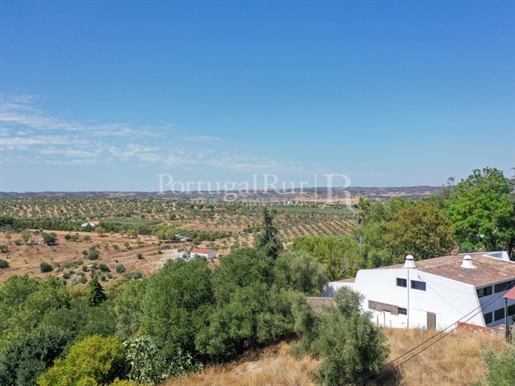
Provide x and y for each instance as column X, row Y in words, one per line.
column 485, row 291
column 499, row 314
column 402, row 282
column 488, row 318
column 418, row 285
column 504, row 286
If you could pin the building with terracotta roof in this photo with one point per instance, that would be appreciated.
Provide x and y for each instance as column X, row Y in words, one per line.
column 207, row 253
column 437, row 293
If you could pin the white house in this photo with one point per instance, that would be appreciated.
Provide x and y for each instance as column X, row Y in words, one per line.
column 90, row 223
column 207, row 253
column 437, row 293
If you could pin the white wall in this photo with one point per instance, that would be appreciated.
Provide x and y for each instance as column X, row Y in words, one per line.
column 450, row 300
column 210, row 255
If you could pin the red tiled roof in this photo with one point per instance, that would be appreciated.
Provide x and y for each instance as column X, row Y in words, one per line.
column 201, row 250
column 510, row 294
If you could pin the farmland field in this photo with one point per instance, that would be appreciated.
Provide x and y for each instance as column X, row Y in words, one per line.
column 142, row 227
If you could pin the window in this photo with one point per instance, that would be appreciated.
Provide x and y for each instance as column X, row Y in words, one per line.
column 499, row 314
column 511, row 310
column 403, row 311
column 377, row 306
column 504, row 286
column 402, row 282
column 488, row 318
column 418, row 285
column 484, row 291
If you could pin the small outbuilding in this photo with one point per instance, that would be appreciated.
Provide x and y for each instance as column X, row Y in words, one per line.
column 207, row 253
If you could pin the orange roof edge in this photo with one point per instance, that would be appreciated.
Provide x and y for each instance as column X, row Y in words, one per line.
column 510, row 294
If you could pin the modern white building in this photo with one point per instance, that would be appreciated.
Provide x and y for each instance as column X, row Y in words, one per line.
column 437, row 293
column 207, row 253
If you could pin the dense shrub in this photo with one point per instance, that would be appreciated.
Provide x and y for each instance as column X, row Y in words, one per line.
column 4, row 264
column 95, row 360
column 120, row 268
column 45, row 267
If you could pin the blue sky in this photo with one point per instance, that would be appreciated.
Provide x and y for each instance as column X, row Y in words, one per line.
column 100, row 95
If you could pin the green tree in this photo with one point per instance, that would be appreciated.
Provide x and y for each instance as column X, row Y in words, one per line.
column 128, row 308
column 50, row 238
column 239, row 269
column 25, row 302
column 301, row 272
column 482, row 213
column 339, row 255
column 254, row 316
column 421, row 230
column 176, row 303
column 351, row 347
column 96, row 293
column 268, row 240
column 24, row 359
column 148, row 367
column 93, row 361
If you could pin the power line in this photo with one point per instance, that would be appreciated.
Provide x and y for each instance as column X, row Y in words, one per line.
column 478, row 309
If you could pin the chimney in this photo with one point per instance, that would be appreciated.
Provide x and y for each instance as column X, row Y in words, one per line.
column 410, row 262
column 467, row 262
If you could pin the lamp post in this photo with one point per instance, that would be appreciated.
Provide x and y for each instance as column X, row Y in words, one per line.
column 410, row 263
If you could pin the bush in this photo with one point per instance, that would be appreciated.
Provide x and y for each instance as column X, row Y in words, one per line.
column 120, row 268
column 350, row 346
column 4, row 264
column 45, row 267
column 95, row 360
column 147, row 366
column 140, row 256
column 93, row 254
column 501, row 368
column 104, row 268
column 50, row 238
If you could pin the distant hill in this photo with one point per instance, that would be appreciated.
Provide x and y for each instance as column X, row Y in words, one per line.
column 307, row 194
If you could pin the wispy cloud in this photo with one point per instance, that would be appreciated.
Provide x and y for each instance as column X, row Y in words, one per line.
column 31, row 135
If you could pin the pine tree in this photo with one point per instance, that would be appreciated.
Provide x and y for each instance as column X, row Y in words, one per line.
column 268, row 241
column 96, row 293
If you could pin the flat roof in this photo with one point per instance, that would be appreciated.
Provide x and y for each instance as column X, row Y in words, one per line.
column 488, row 270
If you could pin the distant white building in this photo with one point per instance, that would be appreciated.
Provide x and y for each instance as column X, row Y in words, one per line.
column 90, row 223
column 207, row 253
column 437, row 293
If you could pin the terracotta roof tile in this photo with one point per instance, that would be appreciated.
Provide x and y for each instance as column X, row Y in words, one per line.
column 510, row 294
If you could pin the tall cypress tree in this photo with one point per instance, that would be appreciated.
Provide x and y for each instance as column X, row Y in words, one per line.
column 96, row 293
column 268, row 241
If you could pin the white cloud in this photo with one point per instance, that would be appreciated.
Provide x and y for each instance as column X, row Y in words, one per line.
column 29, row 134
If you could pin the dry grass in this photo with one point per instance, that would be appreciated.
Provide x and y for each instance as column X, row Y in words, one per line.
column 272, row 366
column 454, row 361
